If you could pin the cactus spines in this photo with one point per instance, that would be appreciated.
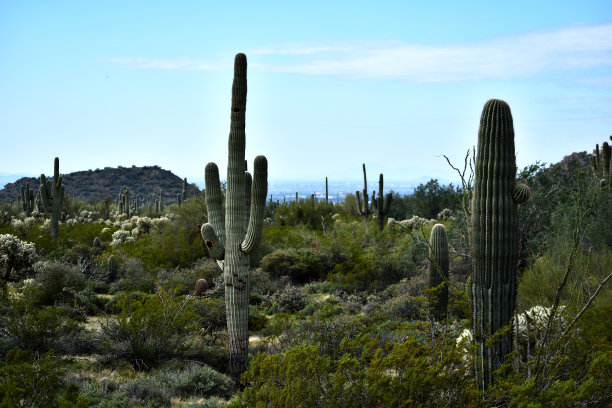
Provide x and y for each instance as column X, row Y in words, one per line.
column 381, row 204
column 521, row 193
column 233, row 236
column 27, row 199
column 494, row 239
column 364, row 209
column 201, row 287
column 438, row 269
column 52, row 196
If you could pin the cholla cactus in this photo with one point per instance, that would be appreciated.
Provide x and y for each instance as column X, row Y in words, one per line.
column 230, row 238
column 15, row 254
column 52, row 197
column 121, row 236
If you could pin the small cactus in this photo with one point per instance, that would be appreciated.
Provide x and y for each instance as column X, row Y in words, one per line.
column 201, row 287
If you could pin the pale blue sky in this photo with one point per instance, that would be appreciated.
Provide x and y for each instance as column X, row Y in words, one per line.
column 393, row 84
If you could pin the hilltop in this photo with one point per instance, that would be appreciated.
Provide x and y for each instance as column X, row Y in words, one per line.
column 94, row 185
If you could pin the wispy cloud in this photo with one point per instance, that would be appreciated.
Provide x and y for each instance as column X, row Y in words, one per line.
column 570, row 48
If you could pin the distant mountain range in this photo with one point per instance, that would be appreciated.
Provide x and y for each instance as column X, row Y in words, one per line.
column 94, row 185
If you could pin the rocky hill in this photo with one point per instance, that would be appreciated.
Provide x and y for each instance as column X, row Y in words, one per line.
column 94, row 185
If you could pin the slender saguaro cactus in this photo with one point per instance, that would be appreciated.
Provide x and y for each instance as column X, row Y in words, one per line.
column 184, row 189
column 364, row 210
column 605, row 155
column 231, row 238
column 27, row 199
column 326, row 192
column 438, row 269
column 494, row 238
column 381, row 204
column 52, row 196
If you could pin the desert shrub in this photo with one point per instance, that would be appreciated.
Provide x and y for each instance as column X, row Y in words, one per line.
column 404, row 307
column 288, row 300
column 257, row 319
column 149, row 331
column 404, row 373
column 174, row 247
column 27, row 380
column 195, row 380
column 58, row 282
column 158, row 388
column 39, row 329
column 261, row 282
column 300, row 266
column 212, row 314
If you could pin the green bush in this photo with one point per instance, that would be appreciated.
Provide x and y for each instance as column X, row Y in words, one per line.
column 59, row 283
column 149, row 331
column 288, row 300
column 29, row 381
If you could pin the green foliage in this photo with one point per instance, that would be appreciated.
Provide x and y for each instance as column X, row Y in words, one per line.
column 427, row 200
column 24, row 323
column 301, row 265
column 29, row 381
column 150, row 330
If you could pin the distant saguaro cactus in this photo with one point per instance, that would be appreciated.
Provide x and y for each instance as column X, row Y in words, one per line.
column 27, row 199
column 494, row 239
column 231, row 238
column 52, row 196
column 184, row 189
column 364, row 210
column 438, row 269
column 381, row 204
column 113, row 268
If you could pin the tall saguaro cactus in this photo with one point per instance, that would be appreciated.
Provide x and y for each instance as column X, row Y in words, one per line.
column 438, row 269
column 52, row 197
column 494, row 238
column 364, row 209
column 27, row 199
column 231, row 238
column 381, row 204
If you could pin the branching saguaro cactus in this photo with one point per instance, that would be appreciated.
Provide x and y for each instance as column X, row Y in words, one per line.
column 364, row 209
column 52, row 197
column 27, row 199
column 438, row 270
column 381, row 204
column 494, row 239
column 231, row 238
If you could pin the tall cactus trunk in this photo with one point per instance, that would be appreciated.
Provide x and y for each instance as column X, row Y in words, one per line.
column 364, row 210
column 245, row 208
column 52, row 197
column 494, row 239
column 438, row 270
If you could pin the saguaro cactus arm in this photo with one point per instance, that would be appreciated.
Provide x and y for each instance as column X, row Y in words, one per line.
column 259, row 192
